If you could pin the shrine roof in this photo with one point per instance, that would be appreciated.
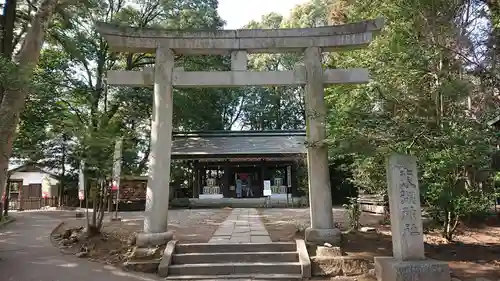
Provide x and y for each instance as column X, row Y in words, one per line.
column 237, row 143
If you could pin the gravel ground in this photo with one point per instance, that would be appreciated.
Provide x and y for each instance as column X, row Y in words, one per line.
column 473, row 255
column 113, row 245
column 195, row 225
column 301, row 217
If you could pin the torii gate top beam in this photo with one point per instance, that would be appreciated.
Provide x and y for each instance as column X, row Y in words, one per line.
column 328, row 38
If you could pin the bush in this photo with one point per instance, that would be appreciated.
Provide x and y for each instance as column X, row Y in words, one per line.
column 353, row 213
column 455, row 191
column 449, row 208
column 10, row 75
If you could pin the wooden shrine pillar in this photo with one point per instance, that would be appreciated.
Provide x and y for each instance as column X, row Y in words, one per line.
column 196, row 182
column 225, row 181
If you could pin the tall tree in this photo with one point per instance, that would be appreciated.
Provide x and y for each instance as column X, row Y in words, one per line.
column 417, row 103
column 13, row 98
column 73, row 78
column 275, row 108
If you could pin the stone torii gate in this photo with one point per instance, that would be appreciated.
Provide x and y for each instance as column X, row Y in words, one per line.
column 312, row 42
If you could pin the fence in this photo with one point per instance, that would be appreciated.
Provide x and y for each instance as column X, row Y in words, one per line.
column 33, row 203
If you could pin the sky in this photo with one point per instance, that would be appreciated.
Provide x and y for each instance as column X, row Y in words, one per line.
column 237, row 13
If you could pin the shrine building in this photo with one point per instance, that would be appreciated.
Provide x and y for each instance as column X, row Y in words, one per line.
column 235, row 165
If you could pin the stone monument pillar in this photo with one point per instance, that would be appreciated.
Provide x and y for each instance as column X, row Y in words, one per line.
column 157, row 196
column 320, row 199
column 409, row 262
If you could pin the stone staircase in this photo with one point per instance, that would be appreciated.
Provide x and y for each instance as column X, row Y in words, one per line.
column 218, row 261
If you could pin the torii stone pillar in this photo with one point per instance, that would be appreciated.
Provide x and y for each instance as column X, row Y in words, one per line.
column 238, row 43
column 320, row 193
column 158, row 187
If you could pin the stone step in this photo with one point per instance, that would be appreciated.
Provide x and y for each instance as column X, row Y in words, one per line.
column 234, row 268
column 235, row 247
column 191, row 258
column 239, row 277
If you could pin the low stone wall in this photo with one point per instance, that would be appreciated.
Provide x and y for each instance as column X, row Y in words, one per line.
column 341, row 266
column 376, row 204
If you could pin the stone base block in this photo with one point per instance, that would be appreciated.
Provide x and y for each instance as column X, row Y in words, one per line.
column 166, row 260
column 150, row 266
column 304, row 259
column 323, row 251
column 322, row 236
column 340, row 266
column 143, row 253
column 153, row 239
column 390, row 269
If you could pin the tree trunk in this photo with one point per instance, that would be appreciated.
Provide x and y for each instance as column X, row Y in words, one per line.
column 95, row 204
column 7, row 26
column 7, row 199
column 86, row 191
column 7, row 20
column 99, row 200
column 12, row 103
column 100, row 216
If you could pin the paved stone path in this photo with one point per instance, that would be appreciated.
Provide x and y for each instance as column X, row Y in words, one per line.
column 242, row 226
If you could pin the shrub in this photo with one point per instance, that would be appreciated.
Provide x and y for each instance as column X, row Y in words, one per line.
column 456, row 186
column 353, row 212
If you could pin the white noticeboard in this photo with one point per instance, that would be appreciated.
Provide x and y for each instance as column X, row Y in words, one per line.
column 267, row 188
column 81, row 181
column 117, row 163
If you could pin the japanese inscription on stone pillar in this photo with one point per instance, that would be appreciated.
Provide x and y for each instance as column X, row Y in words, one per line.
column 404, row 204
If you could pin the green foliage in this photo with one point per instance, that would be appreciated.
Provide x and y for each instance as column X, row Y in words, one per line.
column 276, row 108
column 416, row 103
column 432, row 91
column 72, row 114
column 341, row 180
column 10, row 75
column 353, row 213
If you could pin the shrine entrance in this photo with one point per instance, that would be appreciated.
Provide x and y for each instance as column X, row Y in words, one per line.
column 311, row 42
column 246, row 181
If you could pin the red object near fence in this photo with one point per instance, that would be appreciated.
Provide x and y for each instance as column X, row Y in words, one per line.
column 114, row 186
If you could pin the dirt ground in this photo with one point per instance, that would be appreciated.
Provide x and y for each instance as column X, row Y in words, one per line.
column 474, row 253
column 189, row 226
column 341, row 278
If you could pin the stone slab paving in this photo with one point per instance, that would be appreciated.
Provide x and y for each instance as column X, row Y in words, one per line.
column 241, row 226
